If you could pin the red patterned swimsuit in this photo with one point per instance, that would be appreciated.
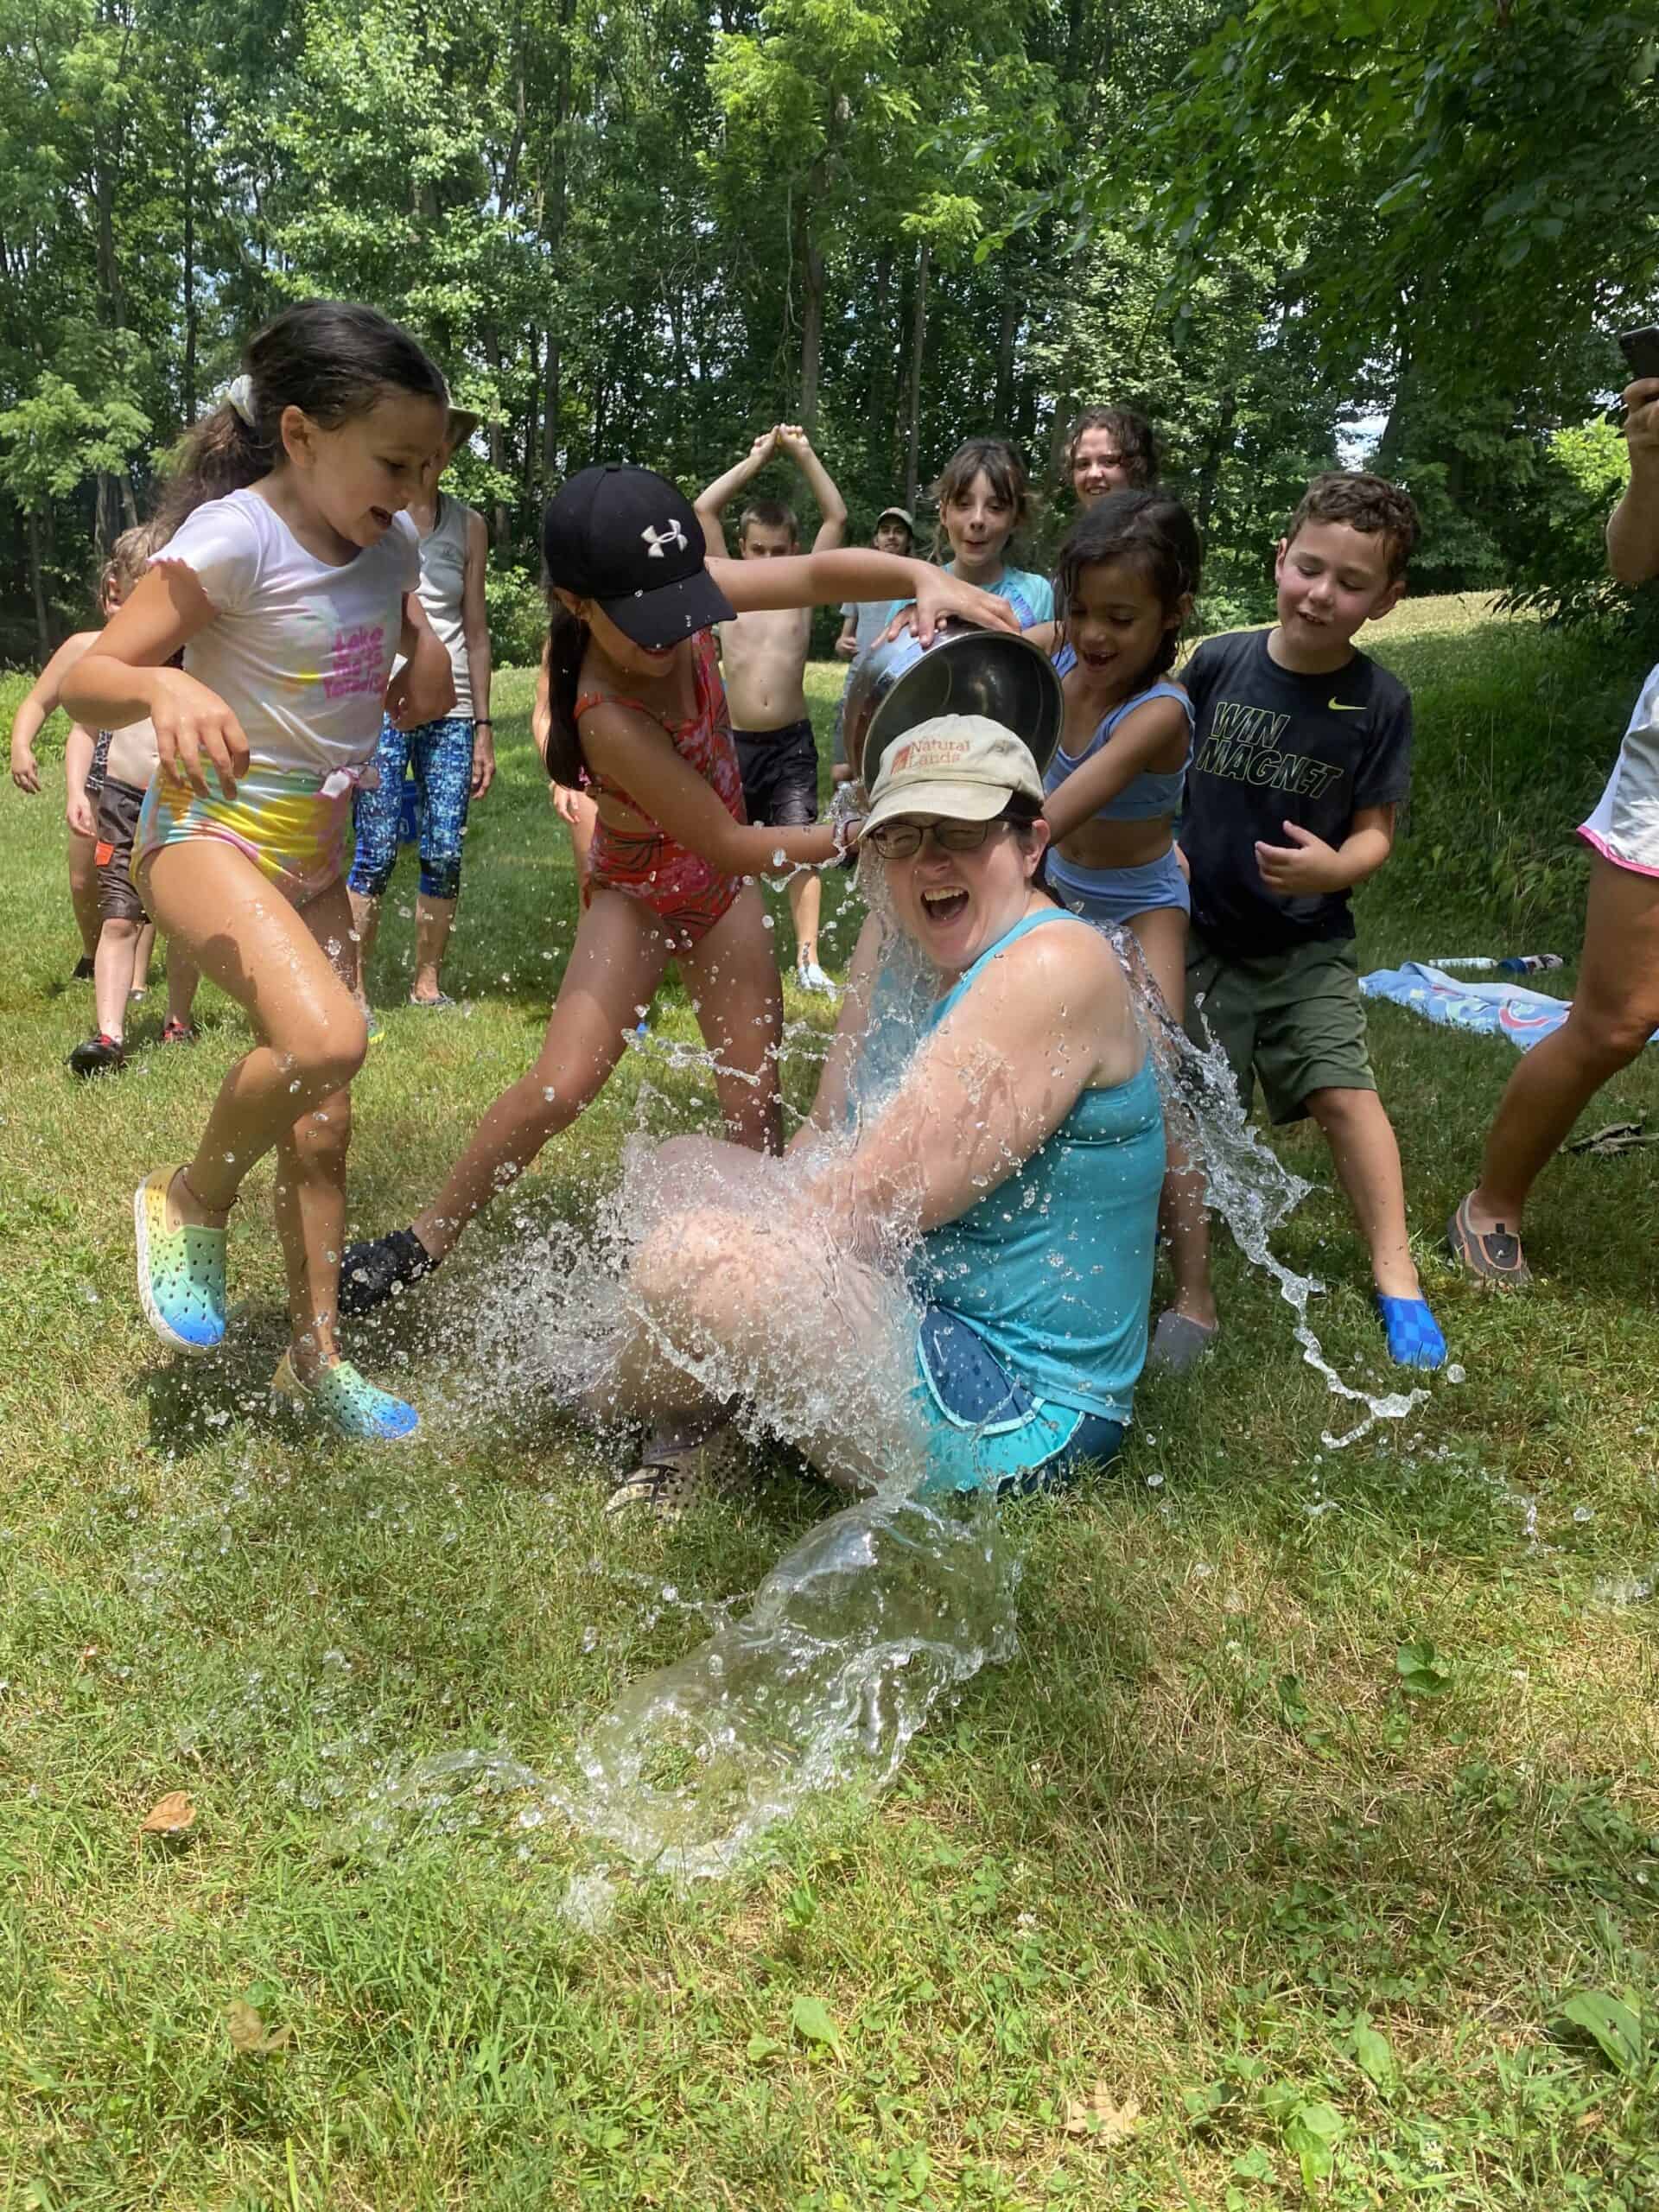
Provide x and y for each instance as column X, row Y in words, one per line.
column 687, row 894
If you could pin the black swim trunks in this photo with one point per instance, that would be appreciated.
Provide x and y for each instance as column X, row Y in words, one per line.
column 780, row 774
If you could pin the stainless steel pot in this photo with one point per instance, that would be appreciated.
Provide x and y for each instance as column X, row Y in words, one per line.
column 966, row 671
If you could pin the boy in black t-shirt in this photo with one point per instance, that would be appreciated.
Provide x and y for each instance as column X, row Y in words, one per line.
column 1302, row 755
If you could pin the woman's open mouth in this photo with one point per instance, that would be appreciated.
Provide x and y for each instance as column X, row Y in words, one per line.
column 944, row 906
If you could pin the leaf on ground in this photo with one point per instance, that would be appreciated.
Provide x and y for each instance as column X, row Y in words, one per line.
column 1615, row 2028
column 810, row 2017
column 1101, row 2117
column 249, row 2036
column 762, row 2047
column 1374, row 2053
column 170, row 1816
column 1422, row 1671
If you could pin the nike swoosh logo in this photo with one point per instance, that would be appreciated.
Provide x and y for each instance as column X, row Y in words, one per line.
column 1336, row 707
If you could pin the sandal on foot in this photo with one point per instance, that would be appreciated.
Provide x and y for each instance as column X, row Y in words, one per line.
column 1179, row 1342
column 1413, row 1334
column 348, row 1401
column 1495, row 1257
column 672, row 1475
column 180, row 1270
column 378, row 1268
column 174, row 1032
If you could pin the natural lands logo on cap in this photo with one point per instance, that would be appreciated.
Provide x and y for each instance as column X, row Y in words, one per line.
column 931, row 752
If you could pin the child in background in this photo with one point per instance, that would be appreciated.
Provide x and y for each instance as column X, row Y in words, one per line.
column 1110, row 449
column 1303, row 759
column 83, row 774
column 984, row 498
column 289, row 581
column 863, row 621
column 763, row 659
column 636, row 702
column 1127, row 577
column 129, row 761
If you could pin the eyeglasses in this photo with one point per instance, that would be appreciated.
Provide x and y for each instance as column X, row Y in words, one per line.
column 902, row 841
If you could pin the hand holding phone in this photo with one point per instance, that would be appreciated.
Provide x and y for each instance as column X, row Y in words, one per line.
column 1640, row 349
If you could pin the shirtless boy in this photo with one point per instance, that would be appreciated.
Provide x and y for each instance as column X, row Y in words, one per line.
column 763, row 662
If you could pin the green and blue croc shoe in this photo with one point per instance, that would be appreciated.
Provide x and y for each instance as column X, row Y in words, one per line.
column 180, row 1271
column 347, row 1402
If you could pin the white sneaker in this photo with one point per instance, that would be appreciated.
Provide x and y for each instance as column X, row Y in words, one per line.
column 811, row 978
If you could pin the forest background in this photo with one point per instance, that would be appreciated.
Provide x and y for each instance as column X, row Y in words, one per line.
column 1289, row 233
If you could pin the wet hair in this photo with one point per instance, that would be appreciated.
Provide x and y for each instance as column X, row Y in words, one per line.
column 335, row 359
column 566, row 646
column 995, row 460
column 1137, row 441
column 1368, row 503
column 130, row 554
column 1151, row 532
column 770, row 514
column 1022, row 814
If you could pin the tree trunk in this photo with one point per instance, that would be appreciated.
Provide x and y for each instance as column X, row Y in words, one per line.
column 188, row 172
column 501, row 520
column 553, row 399
column 894, row 379
column 1209, row 475
column 37, row 582
column 1007, row 332
column 811, row 334
column 913, row 412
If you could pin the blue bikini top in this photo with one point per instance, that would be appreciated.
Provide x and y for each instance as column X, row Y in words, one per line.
column 1150, row 794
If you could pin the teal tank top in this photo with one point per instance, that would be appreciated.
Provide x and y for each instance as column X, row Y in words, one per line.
column 1053, row 1267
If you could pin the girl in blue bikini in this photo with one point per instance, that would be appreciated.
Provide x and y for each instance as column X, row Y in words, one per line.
column 1125, row 584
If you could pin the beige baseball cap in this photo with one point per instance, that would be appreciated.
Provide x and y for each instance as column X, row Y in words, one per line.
column 961, row 767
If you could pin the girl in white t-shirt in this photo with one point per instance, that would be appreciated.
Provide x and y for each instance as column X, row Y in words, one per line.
column 290, row 584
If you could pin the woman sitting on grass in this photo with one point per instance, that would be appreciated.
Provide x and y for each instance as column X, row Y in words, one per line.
column 955, row 1279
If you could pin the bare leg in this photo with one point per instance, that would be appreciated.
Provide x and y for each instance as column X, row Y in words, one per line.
column 182, row 976
column 114, row 965
column 434, row 919
column 143, row 958
column 366, row 921
column 759, row 1287
column 310, row 1187
column 805, row 895
column 83, row 890
column 247, row 939
column 1182, row 1215
column 616, row 966
column 1367, row 1159
column 1614, row 1013
column 733, row 981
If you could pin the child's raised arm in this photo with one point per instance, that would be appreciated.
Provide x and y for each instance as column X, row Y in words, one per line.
column 1633, row 527
column 1155, row 737
column 860, row 572
column 713, row 497
column 39, row 708
column 630, row 749
column 125, row 677
column 832, row 508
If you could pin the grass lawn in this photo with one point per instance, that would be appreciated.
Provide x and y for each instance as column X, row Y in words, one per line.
column 1320, row 1783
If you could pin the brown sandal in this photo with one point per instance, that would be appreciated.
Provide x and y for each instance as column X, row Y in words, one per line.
column 1494, row 1258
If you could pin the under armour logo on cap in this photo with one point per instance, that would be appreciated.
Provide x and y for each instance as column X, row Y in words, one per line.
column 656, row 539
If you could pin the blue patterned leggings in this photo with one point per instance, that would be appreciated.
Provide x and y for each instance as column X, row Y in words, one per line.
column 442, row 755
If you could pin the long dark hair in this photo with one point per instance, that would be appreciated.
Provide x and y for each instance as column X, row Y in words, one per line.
column 567, row 643
column 332, row 359
column 1148, row 529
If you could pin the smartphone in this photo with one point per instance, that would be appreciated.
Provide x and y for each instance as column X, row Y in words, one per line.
column 1640, row 349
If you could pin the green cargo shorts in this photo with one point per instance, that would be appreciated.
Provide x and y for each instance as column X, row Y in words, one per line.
column 1292, row 1018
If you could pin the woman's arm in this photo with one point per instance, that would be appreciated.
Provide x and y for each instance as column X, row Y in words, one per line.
column 830, row 1107
column 858, row 572
column 1155, row 736
column 1046, row 1019
column 125, row 677
column 39, row 706
column 476, row 630
column 1633, row 527
column 631, row 750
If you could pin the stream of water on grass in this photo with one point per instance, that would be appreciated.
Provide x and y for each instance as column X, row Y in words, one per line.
column 883, row 1608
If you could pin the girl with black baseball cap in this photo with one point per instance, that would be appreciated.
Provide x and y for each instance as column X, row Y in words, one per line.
column 637, row 705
